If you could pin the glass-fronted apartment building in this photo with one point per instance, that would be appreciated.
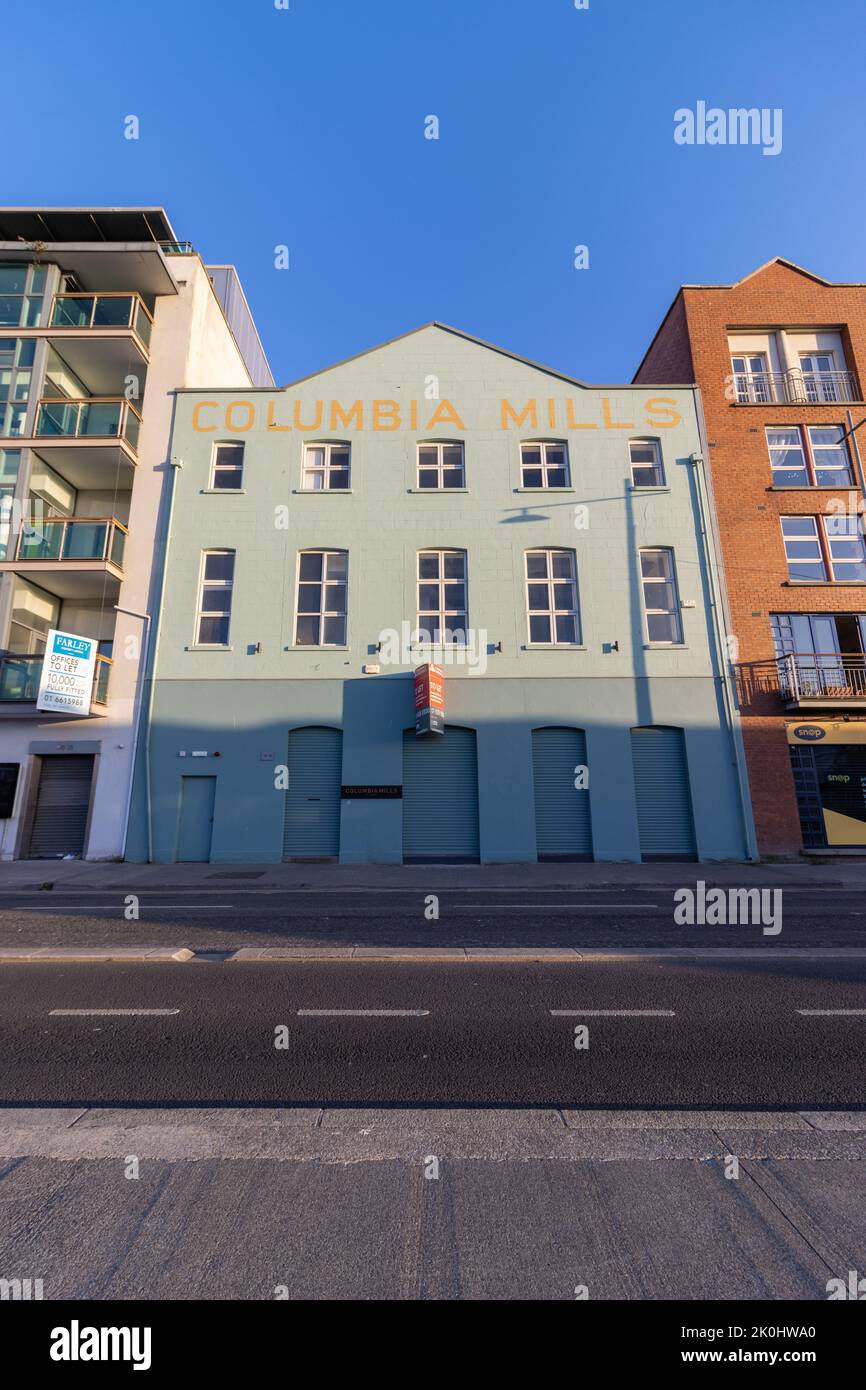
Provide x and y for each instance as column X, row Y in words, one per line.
column 103, row 312
column 547, row 548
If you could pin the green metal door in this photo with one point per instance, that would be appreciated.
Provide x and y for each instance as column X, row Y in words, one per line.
column 311, row 829
column 440, row 797
column 563, row 829
column 664, row 806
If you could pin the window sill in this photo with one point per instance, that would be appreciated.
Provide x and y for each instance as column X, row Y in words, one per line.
column 808, row 487
column 316, row 649
column 553, row 647
column 437, row 491
column 824, row 584
column 650, row 487
column 556, row 490
column 321, row 491
column 206, row 647
column 665, row 646
column 223, row 491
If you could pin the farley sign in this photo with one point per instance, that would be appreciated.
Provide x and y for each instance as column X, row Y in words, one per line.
column 66, row 683
column 429, row 699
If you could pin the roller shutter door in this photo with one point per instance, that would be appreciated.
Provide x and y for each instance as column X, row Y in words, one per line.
column 440, row 798
column 62, row 803
column 311, row 829
column 664, row 807
column 562, row 824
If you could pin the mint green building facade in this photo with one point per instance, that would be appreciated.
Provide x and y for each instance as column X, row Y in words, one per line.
column 310, row 537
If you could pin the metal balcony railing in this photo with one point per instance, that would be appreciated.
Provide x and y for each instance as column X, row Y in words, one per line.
column 94, row 417
column 73, row 538
column 177, row 248
column 103, row 311
column 822, row 676
column 795, row 387
column 19, row 678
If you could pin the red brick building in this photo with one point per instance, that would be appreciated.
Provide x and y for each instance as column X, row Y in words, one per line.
column 780, row 357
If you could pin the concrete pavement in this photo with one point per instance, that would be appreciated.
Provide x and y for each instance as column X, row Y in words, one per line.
column 331, row 1204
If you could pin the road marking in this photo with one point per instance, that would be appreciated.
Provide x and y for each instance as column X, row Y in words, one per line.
column 112, row 1013
column 832, row 1013
column 612, row 1013
column 119, row 907
column 363, row 1013
column 554, row 907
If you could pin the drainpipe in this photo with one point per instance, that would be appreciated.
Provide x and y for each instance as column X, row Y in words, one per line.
column 719, row 613
column 176, row 464
column 145, row 618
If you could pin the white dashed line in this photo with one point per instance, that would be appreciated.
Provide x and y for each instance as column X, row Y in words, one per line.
column 612, row 1013
column 363, row 1013
column 112, row 1013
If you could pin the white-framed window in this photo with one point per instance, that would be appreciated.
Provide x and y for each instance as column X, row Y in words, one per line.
column 830, row 459
column 544, row 463
column 646, row 463
column 213, row 617
column 227, row 466
column 441, row 464
column 815, row 457
column 553, row 613
column 824, row 549
column 443, row 609
column 753, row 381
column 820, row 378
column 787, row 456
column 660, row 596
column 846, row 548
column 326, row 467
column 803, row 550
column 321, row 607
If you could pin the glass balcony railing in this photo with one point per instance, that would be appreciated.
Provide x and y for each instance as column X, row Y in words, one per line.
column 73, row 538
column 177, row 248
column 95, row 417
column 103, row 311
column 19, row 678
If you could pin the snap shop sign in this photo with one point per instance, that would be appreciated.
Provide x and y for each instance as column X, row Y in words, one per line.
column 429, row 699
column 66, row 683
column 848, row 731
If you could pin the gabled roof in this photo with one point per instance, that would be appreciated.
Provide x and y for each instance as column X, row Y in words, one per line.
column 789, row 265
column 775, row 260
column 445, row 328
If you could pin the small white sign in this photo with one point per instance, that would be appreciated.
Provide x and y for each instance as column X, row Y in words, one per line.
column 66, row 683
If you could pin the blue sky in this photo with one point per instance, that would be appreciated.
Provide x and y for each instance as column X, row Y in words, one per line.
column 305, row 127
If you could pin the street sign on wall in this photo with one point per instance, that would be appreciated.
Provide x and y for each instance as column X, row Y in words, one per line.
column 66, row 683
column 429, row 699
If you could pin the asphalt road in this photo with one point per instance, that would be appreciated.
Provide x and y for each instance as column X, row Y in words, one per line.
column 661, row 1033
column 238, row 915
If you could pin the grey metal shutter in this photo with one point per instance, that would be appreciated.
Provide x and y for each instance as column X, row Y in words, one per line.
column 562, row 823
column 440, row 797
column 312, row 815
column 62, row 803
column 664, row 807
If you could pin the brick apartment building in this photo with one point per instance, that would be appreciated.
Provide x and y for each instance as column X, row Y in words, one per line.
column 780, row 357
